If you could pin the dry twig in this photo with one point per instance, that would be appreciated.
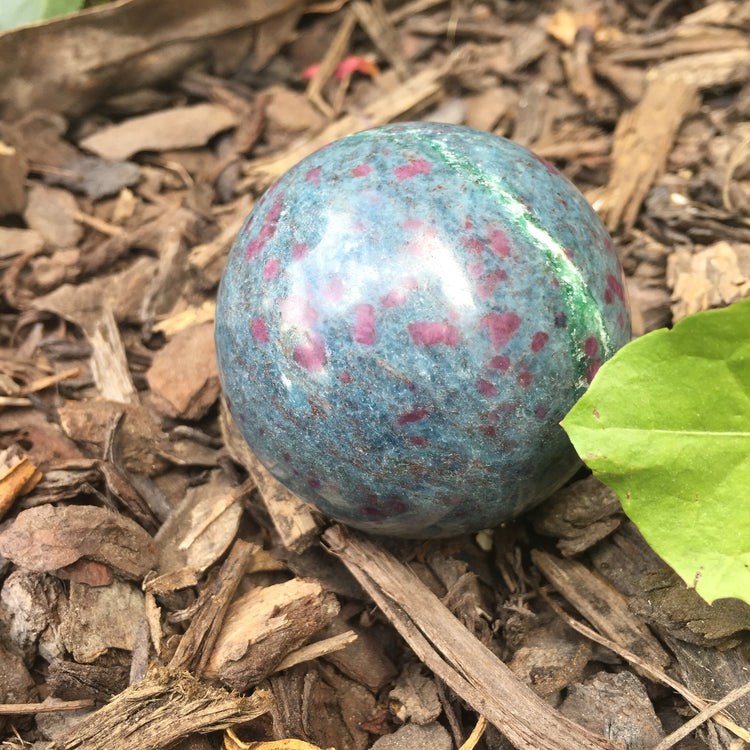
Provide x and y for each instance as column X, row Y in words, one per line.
column 454, row 655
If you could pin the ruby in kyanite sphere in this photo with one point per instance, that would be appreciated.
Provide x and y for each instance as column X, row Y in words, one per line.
column 405, row 318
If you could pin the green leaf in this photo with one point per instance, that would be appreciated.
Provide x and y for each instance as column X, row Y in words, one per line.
column 666, row 424
column 15, row 13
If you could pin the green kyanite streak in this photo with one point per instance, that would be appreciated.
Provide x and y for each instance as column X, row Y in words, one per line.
column 583, row 313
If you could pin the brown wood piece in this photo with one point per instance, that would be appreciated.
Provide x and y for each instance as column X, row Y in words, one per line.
column 706, row 714
column 196, row 646
column 51, row 73
column 601, row 604
column 18, row 480
column 109, row 363
column 365, row 660
column 652, row 671
column 22, row 709
column 72, row 681
column 328, row 64
column 13, row 170
column 166, row 706
column 315, row 650
column 382, row 34
column 454, row 654
column 643, row 137
column 416, row 90
column 292, row 518
column 264, row 625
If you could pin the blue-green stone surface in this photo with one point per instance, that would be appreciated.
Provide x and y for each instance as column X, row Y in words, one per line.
column 404, row 319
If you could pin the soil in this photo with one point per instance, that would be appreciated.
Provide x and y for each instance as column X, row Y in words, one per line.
column 159, row 587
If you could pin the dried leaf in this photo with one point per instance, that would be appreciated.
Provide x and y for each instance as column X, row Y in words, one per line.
column 712, row 277
column 184, row 377
column 101, row 618
column 178, row 127
column 212, row 541
column 97, row 178
column 127, row 46
column 232, row 742
column 51, row 212
column 48, row 538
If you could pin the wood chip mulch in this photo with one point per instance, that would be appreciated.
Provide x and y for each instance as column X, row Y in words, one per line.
column 159, row 587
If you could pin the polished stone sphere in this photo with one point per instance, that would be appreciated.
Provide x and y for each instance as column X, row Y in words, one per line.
column 403, row 321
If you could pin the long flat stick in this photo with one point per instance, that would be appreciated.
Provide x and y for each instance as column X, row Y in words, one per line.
column 652, row 671
column 707, row 713
column 455, row 655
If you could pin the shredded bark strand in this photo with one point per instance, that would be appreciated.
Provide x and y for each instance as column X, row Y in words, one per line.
column 165, row 707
